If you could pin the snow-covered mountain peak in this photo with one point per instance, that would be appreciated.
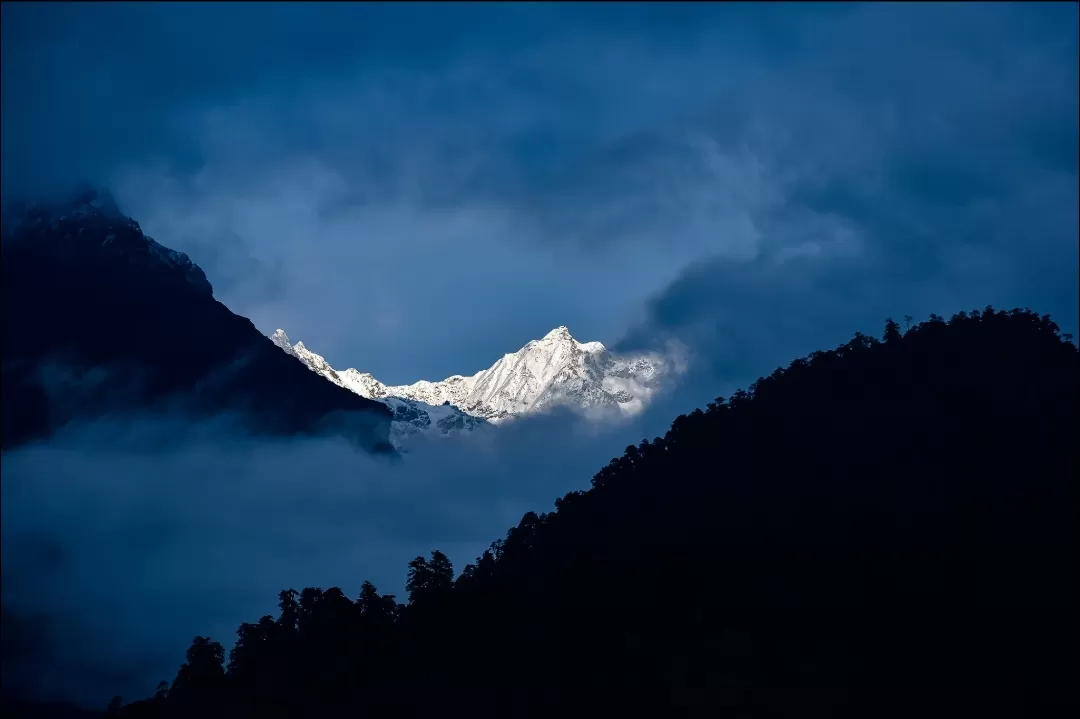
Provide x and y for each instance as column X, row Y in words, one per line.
column 560, row 332
column 561, row 336
column 554, row 371
column 282, row 340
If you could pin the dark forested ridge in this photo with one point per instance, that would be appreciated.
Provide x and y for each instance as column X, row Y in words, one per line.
column 884, row 529
column 100, row 319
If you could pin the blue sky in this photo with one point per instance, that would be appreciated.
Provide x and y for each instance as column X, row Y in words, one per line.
column 415, row 189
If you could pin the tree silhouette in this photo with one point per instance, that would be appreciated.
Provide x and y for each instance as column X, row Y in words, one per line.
column 892, row 331
column 374, row 608
column 199, row 685
column 429, row 579
column 289, row 618
column 442, row 572
column 419, row 579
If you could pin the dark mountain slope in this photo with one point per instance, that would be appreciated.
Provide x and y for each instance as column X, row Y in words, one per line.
column 99, row 319
column 885, row 529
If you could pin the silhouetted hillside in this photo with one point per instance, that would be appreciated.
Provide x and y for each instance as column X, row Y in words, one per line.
column 99, row 318
column 884, row 529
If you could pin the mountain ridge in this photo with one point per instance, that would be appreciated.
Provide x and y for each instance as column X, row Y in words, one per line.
column 553, row 371
column 411, row 417
column 100, row 319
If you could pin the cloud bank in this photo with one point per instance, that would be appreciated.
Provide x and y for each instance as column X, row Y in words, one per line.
column 416, row 190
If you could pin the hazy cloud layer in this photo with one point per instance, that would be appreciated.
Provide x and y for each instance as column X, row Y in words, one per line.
column 116, row 552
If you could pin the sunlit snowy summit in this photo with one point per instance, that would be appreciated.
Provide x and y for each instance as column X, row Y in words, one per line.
column 551, row 372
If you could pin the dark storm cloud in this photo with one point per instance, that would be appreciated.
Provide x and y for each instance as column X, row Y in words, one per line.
column 92, row 87
column 921, row 162
column 416, row 190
